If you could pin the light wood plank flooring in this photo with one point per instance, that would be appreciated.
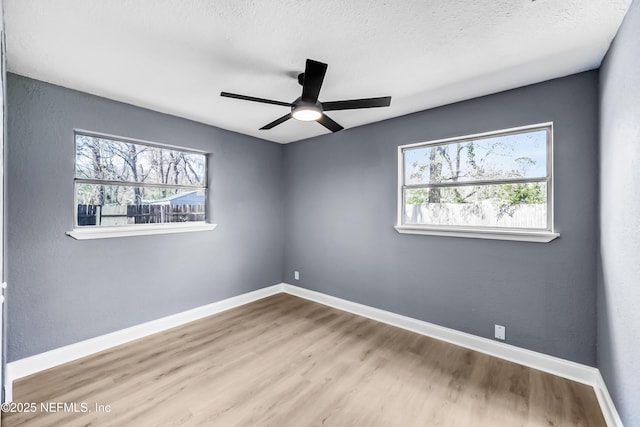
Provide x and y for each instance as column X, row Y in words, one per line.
column 285, row 361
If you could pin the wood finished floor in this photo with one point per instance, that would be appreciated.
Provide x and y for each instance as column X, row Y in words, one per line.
column 286, row 361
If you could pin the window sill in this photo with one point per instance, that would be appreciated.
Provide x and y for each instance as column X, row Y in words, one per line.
column 518, row 236
column 88, row 233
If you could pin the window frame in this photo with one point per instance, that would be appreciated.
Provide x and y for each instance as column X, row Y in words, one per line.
column 108, row 231
column 483, row 232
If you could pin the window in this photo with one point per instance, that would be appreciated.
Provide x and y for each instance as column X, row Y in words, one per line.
column 127, row 185
column 493, row 185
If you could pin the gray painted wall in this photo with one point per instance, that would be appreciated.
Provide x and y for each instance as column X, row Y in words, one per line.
column 61, row 290
column 341, row 208
column 619, row 278
column 3, row 76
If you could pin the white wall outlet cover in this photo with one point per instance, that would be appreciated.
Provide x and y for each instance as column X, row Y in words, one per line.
column 296, row 275
column 500, row 332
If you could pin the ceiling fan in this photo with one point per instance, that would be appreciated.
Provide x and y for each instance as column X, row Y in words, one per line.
column 307, row 107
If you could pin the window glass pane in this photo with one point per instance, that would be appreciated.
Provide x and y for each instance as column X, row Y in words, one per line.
column 496, row 205
column 104, row 205
column 520, row 155
column 112, row 160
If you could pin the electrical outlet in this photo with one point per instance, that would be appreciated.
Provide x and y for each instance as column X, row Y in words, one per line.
column 500, row 332
column 296, row 275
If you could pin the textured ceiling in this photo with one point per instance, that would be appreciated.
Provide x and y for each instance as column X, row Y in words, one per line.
column 176, row 56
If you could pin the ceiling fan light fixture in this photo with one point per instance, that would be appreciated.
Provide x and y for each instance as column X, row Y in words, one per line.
column 306, row 113
column 307, row 108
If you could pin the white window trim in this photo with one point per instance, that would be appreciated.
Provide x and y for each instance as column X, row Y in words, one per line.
column 89, row 232
column 493, row 234
column 523, row 235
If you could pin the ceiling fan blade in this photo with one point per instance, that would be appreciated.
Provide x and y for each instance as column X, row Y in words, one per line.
column 254, row 99
column 352, row 104
column 313, row 77
column 276, row 122
column 327, row 122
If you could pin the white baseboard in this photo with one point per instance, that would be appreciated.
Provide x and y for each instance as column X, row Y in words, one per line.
column 553, row 365
column 39, row 362
column 606, row 403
